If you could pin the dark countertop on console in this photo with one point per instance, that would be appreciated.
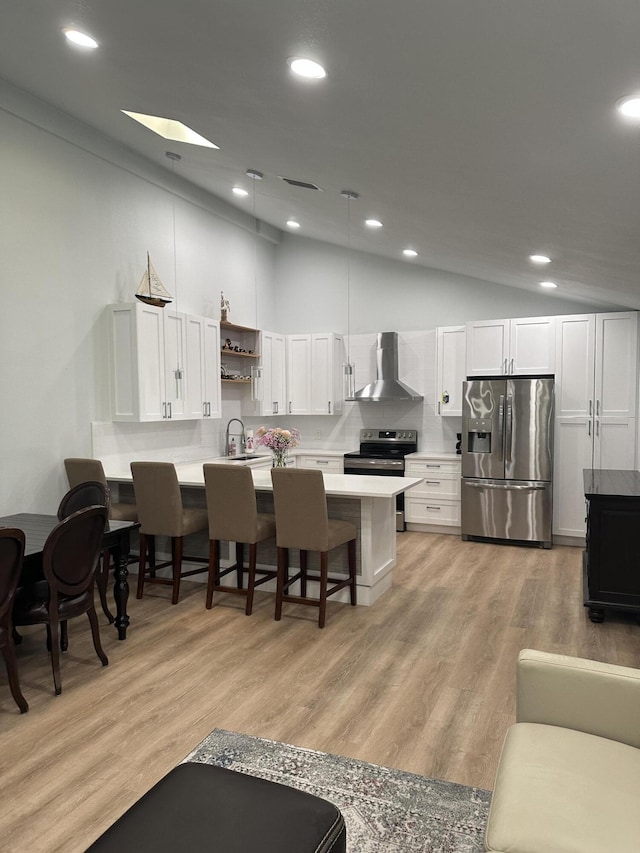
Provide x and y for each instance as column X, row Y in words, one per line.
column 619, row 484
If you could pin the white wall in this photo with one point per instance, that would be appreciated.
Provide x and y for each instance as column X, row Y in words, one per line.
column 386, row 295
column 78, row 215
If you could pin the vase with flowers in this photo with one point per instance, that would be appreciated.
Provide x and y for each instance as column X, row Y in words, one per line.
column 278, row 441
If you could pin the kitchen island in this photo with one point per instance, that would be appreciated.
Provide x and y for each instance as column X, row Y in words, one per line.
column 368, row 502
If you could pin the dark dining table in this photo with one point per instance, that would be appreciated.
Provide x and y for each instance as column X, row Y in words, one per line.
column 116, row 539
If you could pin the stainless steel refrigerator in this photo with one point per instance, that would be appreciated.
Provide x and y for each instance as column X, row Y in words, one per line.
column 507, row 458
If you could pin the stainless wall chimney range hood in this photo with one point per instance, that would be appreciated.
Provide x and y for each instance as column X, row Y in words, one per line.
column 387, row 385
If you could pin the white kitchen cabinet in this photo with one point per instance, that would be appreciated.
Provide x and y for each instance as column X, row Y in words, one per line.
column 329, row 463
column 273, row 391
column 314, row 363
column 451, row 354
column 523, row 346
column 596, row 399
column 202, row 374
column 436, row 501
column 147, row 363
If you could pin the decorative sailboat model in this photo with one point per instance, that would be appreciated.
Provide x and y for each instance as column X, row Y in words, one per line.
column 151, row 290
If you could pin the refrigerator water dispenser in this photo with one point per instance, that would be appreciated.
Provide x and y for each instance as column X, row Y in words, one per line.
column 479, row 436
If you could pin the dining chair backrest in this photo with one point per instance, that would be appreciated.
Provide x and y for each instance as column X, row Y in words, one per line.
column 300, row 505
column 11, row 556
column 231, row 503
column 80, row 470
column 81, row 496
column 72, row 550
column 158, row 498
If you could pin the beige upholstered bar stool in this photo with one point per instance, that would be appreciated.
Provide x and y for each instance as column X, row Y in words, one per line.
column 80, row 470
column 302, row 522
column 88, row 470
column 161, row 513
column 234, row 517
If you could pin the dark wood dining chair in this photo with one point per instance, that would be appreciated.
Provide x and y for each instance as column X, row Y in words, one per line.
column 69, row 560
column 90, row 493
column 11, row 555
column 303, row 523
column 234, row 517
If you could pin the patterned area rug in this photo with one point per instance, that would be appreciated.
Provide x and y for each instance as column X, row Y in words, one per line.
column 385, row 810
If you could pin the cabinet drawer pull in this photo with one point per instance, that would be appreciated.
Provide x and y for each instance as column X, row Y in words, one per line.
column 437, row 508
column 322, row 461
column 432, row 466
column 433, row 482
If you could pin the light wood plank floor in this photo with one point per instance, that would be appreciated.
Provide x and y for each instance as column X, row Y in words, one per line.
column 422, row 681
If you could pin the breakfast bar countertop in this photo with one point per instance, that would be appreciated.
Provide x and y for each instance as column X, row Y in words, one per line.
column 336, row 485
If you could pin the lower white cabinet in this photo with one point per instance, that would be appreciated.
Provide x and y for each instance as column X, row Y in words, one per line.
column 436, row 501
column 330, row 464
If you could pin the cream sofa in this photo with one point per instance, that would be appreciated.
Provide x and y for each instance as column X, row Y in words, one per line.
column 568, row 779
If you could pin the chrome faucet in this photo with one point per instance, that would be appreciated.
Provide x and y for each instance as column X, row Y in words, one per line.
column 243, row 442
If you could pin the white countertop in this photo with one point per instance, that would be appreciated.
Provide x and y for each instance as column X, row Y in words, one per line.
column 336, row 485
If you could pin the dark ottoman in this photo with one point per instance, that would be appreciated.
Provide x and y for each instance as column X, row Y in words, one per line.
column 198, row 807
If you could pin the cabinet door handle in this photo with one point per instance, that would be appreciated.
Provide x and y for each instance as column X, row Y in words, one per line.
column 275, row 407
column 204, row 410
column 289, row 406
column 590, row 408
column 164, row 410
column 505, row 366
column 597, row 428
column 329, row 406
column 598, row 408
column 589, row 428
column 511, row 367
column 438, row 406
column 170, row 413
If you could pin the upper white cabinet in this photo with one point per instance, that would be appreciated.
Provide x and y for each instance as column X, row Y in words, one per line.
column 451, row 374
column 518, row 347
column 313, row 374
column 273, row 392
column 202, row 376
column 596, row 399
column 151, row 374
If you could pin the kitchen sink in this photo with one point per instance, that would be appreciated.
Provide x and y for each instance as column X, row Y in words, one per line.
column 243, row 456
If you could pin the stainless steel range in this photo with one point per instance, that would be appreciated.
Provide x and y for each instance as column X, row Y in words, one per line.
column 382, row 453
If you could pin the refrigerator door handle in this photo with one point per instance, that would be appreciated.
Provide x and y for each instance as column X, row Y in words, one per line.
column 501, row 428
column 506, row 487
column 508, row 433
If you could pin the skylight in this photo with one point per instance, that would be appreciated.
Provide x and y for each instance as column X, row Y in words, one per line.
column 169, row 128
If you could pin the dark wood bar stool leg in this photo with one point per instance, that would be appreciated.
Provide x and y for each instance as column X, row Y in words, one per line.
column 102, row 582
column 142, row 563
column 239, row 563
column 283, row 558
column 214, row 570
column 251, row 583
column 324, row 571
column 304, row 565
column 176, row 554
column 9, row 655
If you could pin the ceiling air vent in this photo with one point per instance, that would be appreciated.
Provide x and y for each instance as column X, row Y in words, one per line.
column 304, row 184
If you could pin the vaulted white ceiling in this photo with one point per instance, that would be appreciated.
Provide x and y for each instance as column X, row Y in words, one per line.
column 477, row 131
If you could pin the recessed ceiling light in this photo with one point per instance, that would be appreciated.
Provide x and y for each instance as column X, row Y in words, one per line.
column 291, row 223
column 373, row 223
column 629, row 107
column 240, row 192
column 549, row 284
column 410, row 253
column 539, row 259
column 307, row 68
column 79, row 38
column 169, row 128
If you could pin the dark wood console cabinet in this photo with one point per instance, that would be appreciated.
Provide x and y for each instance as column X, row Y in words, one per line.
column 611, row 560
